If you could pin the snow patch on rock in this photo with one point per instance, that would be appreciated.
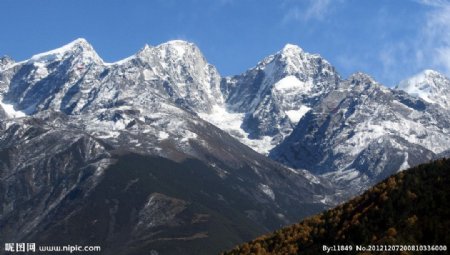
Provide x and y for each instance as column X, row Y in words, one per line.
column 10, row 111
column 231, row 122
column 293, row 83
column 267, row 190
column 296, row 115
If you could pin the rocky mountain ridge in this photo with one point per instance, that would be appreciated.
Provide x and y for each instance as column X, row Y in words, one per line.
column 261, row 107
column 363, row 132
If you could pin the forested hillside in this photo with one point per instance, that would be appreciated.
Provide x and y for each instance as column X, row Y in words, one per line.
column 411, row 207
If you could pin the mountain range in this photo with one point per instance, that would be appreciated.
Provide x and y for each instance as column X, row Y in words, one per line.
column 159, row 148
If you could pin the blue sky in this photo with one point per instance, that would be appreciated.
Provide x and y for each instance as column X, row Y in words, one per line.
column 390, row 40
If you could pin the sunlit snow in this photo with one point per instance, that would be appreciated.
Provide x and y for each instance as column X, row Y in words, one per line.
column 10, row 111
column 267, row 190
column 429, row 85
column 59, row 53
column 291, row 82
column 405, row 165
column 296, row 115
column 231, row 123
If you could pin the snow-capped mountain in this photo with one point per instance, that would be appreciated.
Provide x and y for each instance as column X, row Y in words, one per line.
column 429, row 85
column 176, row 70
column 167, row 88
column 157, row 84
column 47, row 80
column 362, row 132
column 267, row 101
column 74, row 78
column 128, row 139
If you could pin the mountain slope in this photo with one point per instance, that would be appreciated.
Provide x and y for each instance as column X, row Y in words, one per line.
column 363, row 132
column 211, row 189
column 395, row 211
column 144, row 203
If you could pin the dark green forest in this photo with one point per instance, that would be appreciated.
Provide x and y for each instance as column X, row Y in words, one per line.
column 409, row 208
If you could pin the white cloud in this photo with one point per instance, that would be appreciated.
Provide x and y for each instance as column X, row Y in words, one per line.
column 317, row 9
column 435, row 3
column 351, row 62
column 425, row 45
column 398, row 59
column 313, row 10
column 443, row 58
column 429, row 48
column 434, row 38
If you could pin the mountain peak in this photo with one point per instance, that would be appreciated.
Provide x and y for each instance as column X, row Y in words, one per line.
column 360, row 81
column 178, row 48
column 429, row 85
column 178, row 43
column 429, row 72
column 80, row 42
column 6, row 61
column 78, row 47
column 425, row 76
column 359, row 77
column 291, row 51
column 173, row 50
column 291, row 48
